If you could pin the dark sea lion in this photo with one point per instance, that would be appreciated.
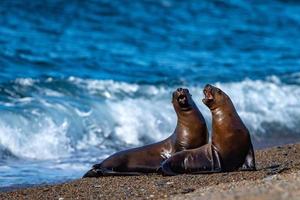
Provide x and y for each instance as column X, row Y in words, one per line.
column 191, row 132
column 231, row 146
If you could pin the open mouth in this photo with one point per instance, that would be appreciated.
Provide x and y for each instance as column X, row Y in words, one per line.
column 183, row 101
column 182, row 98
column 208, row 97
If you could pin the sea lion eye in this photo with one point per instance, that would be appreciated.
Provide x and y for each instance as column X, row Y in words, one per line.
column 219, row 91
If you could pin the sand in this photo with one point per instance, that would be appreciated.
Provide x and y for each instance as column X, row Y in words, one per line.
column 277, row 177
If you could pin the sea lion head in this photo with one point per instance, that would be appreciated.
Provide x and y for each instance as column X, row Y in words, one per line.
column 214, row 97
column 182, row 100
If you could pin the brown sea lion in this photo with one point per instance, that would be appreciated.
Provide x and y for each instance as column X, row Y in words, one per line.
column 231, row 146
column 191, row 132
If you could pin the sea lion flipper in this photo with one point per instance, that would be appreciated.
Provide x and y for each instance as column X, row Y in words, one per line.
column 249, row 163
column 115, row 173
column 93, row 173
column 216, row 164
column 104, row 172
column 165, row 169
column 202, row 160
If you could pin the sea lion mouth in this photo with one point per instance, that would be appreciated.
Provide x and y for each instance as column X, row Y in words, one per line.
column 181, row 96
column 208, row 96
column 183, row 101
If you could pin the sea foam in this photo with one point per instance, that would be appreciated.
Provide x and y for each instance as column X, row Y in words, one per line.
column 111, row 116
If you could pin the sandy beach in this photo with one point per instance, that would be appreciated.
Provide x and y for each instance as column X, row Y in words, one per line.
column 277, row 177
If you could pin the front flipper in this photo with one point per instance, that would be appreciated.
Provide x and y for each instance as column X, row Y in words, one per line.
column 202, row 160
column 114, row 173
column 98, row 172
column 93, row 173
column 166, row 170
column 249, row 164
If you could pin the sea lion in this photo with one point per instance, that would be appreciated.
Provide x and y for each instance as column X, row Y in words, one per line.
column 190, row 132
column 230, row 149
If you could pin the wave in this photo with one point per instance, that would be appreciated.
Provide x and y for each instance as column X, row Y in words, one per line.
column 58, row 118
column 269, row 108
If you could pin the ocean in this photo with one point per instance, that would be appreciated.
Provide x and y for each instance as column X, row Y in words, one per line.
column 80, row 80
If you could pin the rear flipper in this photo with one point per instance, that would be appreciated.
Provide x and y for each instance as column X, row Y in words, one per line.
column 114, row 173
column 249, row 164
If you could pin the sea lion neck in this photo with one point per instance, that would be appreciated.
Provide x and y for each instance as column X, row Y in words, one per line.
column 228, row 106
column 221, row 114
column 184, row 117
column 190, row 127
column 217, row 111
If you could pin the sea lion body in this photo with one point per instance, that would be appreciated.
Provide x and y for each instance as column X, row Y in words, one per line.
column 190, row 132
column 231, row 146
column 230, row 137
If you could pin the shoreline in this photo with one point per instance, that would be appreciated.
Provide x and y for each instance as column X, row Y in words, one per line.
column 274, row 165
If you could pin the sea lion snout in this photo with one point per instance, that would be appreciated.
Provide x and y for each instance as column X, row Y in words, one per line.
column 208, row 90
column 182, row 100
column 208, row 94
column 181, row 96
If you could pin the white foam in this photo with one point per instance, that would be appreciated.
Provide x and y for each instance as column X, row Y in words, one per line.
column 265, row 101
column 48, row 142
column 24, row 100
column 83, row 114
column 25, row 81
column 70, row 167
column 107, row 88
column 260, row 103
column 135, row 114
column 51, row 93
column 137, row 118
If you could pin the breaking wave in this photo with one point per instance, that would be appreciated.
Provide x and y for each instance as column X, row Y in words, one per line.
column 53, row 118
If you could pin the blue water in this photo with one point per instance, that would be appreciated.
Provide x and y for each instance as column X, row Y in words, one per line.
column 80, row 80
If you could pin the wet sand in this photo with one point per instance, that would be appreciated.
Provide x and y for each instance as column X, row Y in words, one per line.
column 277, row 177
